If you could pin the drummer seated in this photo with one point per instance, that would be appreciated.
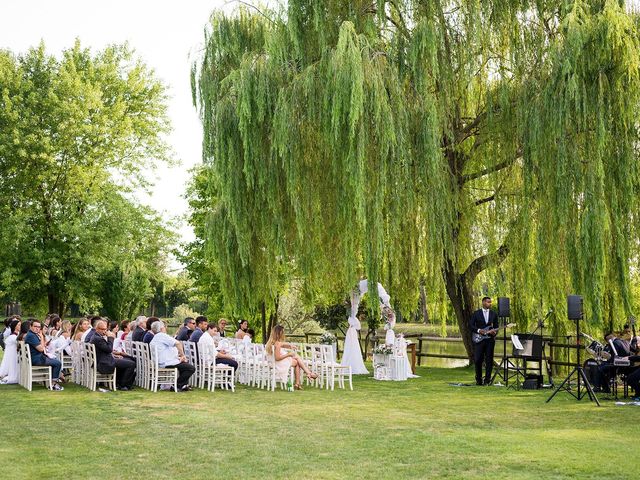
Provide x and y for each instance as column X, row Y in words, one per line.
column 607, row 370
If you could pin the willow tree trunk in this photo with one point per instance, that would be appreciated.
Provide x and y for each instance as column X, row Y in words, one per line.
column 461, row 296
column 459, row 288
column 423, row 305
column 263, row 323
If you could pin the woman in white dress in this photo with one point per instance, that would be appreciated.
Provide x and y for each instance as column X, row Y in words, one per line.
column 9, row 369
column 285, row 360
column 352, row 354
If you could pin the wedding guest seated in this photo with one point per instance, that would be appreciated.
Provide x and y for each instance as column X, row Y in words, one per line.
column 285, row 360
column 9, row 368
column 148, row 335
column 62, row 341
column 171, row 354
column 25, row 327
column 87, row 336
column 201, row 327
column 251, row 334
column 121, row 337
column 186, row 330
column 37, row 345
column 243, row 326
column 107, row 360
column 222, row 356
column 208, row 338
column 80, row 328
column 140, row 329
column 222, row 325
column 54, row 325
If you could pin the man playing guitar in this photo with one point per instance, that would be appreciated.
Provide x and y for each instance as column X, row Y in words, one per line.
column 484, row 322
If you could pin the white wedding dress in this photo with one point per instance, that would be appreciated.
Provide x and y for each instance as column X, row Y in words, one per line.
column 352, row 355
column 9, row 369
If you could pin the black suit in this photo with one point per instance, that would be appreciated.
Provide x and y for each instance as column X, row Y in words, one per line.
column 483, row 351
column 183, row 334
column 138, row 334
column 89, row 336
column 107, row 363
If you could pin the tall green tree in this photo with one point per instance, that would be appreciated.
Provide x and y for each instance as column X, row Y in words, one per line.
column 77, row 131
column 458, row 142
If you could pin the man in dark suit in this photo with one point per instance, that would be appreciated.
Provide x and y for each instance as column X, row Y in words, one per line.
column 107, row 361
column 140, row 330
column 92, row 331
column 481, row 322
column 186, row 330
column 201, row 326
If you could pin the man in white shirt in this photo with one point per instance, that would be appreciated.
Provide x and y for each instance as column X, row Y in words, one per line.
column 221, row 355
column 171, row 354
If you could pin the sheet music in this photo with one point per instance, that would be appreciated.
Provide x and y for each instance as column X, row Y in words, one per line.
column 516, row 342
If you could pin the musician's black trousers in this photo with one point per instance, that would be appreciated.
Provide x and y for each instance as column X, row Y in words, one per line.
column 483, row 352
column 634, row 381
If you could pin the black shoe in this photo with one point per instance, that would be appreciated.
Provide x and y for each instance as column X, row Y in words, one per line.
column 479, row 384
column 123, row 389
column 185, row 388
column 487, row 383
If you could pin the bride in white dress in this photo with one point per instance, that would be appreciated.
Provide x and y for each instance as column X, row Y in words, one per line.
column 9, row 369
column 352, row 354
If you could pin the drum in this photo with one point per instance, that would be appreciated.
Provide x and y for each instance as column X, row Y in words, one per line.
column 590, row 367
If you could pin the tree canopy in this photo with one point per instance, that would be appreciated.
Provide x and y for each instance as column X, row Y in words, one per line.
column 453, row 143
column 77, row 134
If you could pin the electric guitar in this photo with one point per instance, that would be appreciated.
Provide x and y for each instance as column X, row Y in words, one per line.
column 489, row 333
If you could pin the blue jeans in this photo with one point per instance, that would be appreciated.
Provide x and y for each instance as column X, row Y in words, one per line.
column 55, row 365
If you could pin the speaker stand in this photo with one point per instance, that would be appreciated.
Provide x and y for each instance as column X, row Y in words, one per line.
column 502, row 369
column 565, row 386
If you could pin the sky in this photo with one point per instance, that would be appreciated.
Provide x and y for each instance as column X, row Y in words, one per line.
column 167, row 35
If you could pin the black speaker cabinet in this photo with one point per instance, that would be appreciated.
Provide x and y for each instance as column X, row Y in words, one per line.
column 504, row 310
column 574, row 307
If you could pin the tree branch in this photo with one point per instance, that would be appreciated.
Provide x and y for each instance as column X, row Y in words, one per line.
column 485, row 200
column 484, row 262
column 495, row 168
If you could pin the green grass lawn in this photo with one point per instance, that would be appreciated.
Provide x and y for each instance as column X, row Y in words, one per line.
column 422, row 428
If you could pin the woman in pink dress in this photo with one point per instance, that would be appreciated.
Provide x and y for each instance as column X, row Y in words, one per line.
column 285, row 360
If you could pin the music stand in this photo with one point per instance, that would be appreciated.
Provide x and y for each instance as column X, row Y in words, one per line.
column 578, row 371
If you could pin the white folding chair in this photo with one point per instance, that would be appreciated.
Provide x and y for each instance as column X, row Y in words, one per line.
column 334, row 369
column 159, row 375
column 32, row 373
column 191, row 352
column 93, row 376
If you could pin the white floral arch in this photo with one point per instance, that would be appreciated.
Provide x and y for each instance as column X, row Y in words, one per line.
column 385, row 307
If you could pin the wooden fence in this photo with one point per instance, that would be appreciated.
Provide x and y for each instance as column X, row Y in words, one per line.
column 560, row 351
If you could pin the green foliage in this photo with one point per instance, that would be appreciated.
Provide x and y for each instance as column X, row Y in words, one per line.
column 76, row 133
column 459, row 143
column 123, row 292
column 183, row 311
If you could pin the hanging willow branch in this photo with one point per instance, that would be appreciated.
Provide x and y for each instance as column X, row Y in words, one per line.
column 347, row 138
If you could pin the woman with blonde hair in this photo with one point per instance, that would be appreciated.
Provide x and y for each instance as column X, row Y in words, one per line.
column 80, row 328
column 285, row 360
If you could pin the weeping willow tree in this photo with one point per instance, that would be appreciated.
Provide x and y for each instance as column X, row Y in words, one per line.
column 453, row 143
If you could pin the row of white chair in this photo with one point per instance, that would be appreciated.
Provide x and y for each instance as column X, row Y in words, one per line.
column 257, row 368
